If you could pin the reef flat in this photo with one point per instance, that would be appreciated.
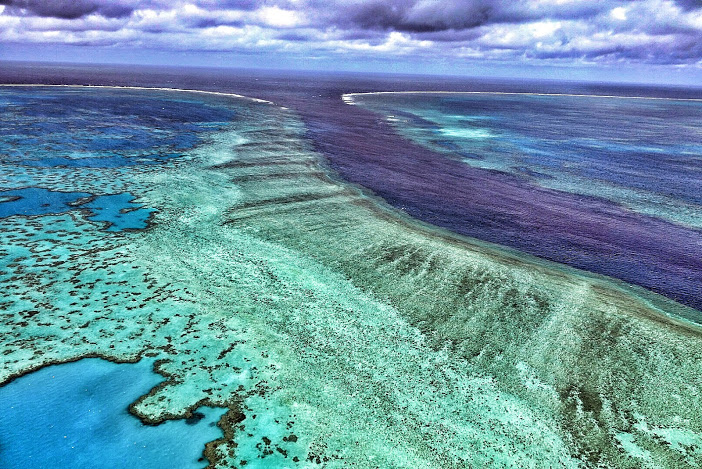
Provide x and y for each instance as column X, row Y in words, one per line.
column 336, row 331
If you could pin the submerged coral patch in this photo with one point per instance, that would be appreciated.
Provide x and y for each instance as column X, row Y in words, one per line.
column 118, row 212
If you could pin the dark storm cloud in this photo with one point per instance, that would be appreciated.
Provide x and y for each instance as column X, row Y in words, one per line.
column 69, row 9
column 412, row 16
column 689, row 4
column 423, row 16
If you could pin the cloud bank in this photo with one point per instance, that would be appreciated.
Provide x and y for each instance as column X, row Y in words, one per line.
column 531, row 31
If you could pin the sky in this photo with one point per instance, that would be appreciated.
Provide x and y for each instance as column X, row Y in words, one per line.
column 657, row 41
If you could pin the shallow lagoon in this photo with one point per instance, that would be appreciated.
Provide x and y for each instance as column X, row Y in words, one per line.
column 75, row 415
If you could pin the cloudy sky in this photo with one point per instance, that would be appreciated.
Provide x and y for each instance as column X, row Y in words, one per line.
column 639, row 40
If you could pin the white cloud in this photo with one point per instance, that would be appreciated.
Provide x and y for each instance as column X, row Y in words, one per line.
column 277, row 17
column 544, row 28
column 618, row 13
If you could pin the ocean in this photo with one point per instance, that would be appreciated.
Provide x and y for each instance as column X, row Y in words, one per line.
column 385, row 280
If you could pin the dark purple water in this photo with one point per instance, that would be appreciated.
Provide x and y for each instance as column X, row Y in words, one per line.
column 584, row 232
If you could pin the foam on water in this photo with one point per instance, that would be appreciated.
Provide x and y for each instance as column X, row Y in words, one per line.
column 466, row 133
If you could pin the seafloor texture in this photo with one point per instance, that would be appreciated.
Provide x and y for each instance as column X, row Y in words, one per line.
column 335, row 332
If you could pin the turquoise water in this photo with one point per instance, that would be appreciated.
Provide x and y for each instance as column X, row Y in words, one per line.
column 75, row 415
column 118, row 212
column 68, row 182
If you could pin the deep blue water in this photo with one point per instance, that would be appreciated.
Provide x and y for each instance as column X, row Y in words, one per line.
column 644, row 154
column 98, row 129
column 611, row 188
column 75, row 415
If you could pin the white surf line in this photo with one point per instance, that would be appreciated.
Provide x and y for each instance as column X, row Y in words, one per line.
column 348, row 97
column 147, row 88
